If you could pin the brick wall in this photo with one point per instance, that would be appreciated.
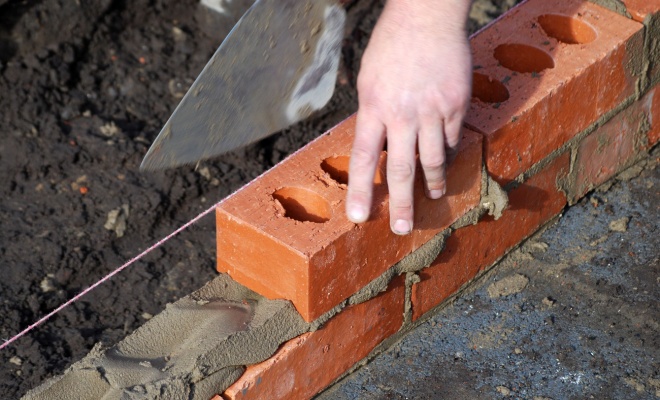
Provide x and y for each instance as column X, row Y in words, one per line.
column 564, row 98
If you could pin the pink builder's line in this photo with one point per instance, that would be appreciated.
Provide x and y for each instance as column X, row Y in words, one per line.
column 107, row 277
column 139, row 256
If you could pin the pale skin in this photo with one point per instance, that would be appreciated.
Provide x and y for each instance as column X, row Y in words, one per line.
column 414, row 88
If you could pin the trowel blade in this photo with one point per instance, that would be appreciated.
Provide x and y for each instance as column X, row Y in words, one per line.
column 277, row 66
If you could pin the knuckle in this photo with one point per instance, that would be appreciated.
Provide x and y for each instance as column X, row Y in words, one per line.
column 434, row 180
column 362, row 159
column 401, row 208
column 359, row 195
column 453, row 101
column 434, row 163
column 400, row 170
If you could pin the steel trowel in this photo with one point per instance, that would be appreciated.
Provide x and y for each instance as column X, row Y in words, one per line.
column 276, row 67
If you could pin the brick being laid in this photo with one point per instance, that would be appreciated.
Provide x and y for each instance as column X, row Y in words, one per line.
column 285, row 235
column 546, row 71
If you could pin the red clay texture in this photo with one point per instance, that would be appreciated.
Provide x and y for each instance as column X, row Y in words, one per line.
column 608, row 149
column 285, row 235
column 639, row 9
column 305, row 365
column 471, row 249
column 546, row 71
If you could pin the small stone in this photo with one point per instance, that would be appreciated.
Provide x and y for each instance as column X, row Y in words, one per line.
column 204, row 171
column 503, row 390
column 147, row 316
column 178, row 33
column 620, row 225
column 16, row 361
column 19, row 372
column 116, row 220
column 110, row 129
column 548, row 301
column 517, row 350
column 47, row 284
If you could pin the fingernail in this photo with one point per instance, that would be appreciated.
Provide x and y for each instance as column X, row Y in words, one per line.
column 357, row 214
column 436, row 193
column 401, row 227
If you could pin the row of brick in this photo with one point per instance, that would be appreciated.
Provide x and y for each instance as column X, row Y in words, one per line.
column 307, row 364
column 285, row 234
column 558, row 110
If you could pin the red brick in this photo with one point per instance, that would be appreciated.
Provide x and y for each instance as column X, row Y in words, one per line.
column 471, row 249
column 546, row 109
column 639, row 9
column 607, row 150
column 318, row 265
column 307, row 364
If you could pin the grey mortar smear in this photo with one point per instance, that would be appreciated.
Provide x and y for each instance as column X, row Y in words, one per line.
column 193, row 349
column 200, row 345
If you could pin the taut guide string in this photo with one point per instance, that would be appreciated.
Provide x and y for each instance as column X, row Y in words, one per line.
column 107, row 277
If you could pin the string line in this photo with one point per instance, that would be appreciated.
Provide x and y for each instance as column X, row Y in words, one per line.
column 107, row 277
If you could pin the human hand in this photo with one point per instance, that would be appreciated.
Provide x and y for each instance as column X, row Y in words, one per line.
column 414, row 89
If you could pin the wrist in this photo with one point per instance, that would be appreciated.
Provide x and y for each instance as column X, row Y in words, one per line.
column 449, row 16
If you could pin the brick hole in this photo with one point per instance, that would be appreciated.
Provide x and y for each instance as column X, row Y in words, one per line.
column 337, row 168
column 487, row 89
column 303, row 205
column 566, row 29
column 523, row 58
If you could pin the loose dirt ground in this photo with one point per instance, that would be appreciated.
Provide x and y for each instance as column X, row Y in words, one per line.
column 84, row 89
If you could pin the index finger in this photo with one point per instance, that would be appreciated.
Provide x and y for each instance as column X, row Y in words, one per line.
column 368, row 143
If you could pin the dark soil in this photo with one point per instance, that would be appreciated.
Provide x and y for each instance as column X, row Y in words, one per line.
column 85, row 86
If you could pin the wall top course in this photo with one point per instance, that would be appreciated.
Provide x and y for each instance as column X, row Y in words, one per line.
column 537, row 46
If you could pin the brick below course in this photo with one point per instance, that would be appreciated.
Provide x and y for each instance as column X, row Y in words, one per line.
column 606, row 151
column 471, row 249
column 639, row 9
column 652, row 100
column 304, row 366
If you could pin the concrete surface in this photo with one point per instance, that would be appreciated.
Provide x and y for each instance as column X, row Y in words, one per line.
column 572, row 314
